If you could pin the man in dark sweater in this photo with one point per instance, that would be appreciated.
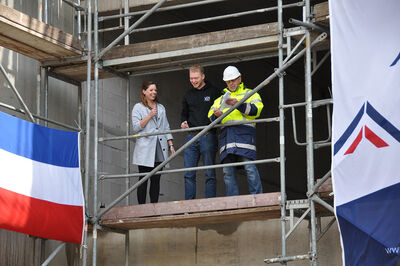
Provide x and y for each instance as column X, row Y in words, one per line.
column 195, row 105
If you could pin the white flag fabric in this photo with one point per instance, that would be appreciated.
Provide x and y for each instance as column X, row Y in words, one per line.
column 40, row 181
column 365, row 45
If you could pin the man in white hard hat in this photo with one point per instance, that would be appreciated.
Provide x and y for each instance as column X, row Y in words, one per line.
column 195, row 105
column 237, row 143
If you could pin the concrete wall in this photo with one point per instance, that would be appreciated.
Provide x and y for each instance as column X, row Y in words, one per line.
column 246, row 243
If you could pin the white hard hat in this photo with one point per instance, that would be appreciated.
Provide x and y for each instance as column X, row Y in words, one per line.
column 231, row 73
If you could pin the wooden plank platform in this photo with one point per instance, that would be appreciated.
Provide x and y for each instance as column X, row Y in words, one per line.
column 194, row 212
column 26, row 35
column 182, row 52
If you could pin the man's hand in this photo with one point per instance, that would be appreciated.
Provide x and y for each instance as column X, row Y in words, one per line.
column 231, row 101
column 217, row 112
column 184, row 124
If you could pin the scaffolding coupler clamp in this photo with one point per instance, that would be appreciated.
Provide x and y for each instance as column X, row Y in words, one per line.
column 281, row 73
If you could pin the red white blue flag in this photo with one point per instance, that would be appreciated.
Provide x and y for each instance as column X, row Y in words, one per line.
column 40, row 181
column 365, row 45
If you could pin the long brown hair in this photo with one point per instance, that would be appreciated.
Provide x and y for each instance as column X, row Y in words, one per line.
column 146, row 84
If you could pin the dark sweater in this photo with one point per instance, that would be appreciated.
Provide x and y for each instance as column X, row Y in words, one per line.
column 196, row 104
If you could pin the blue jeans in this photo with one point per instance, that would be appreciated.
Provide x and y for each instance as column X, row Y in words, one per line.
column 253, row 178
column 206, row 146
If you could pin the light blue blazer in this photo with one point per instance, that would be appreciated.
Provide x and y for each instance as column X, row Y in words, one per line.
column 145, row 148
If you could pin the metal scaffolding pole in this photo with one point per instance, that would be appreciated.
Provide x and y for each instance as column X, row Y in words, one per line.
column 234, row 15
column 127, row 142
column 96, row 128
column 168, row 8
column 183, row 130
column 309, row 134
column 282, row 134
column 126, row 21
column 79, row 22
column 46, row 93
column 87, row 139
column 53, row 254
column 180, row 170
column 27, row 112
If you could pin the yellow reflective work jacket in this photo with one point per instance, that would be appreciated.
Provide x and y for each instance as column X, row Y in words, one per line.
column 240, row 139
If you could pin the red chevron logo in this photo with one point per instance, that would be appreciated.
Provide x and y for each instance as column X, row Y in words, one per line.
column 369, row 135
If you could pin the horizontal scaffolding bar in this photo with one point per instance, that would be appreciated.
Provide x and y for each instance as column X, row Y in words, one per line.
column 316, row 103
column 234, row 15
column 40, row 117
column 273, row 160
column 182, row 130
column 321, row 145
column 113, row 230
column 205, row 2
column 308, row 25
column 289, row 258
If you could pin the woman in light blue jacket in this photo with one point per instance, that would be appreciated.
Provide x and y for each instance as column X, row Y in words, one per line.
column 149, row 116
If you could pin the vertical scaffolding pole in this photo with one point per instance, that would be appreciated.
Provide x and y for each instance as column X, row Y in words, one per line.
column 127, row 248
column 87, row 139
column 79, row 26
column 282, row 134
column 39, row 75
column 46, row 93
column 126, row 21
column 309, row 135
column 127, row 142
column 95, row 130
column 45, row 13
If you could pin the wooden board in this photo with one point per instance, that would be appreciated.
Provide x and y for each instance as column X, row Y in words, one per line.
column 194, row 212
column 196, row 219
column 26, row 35
column 321, row 12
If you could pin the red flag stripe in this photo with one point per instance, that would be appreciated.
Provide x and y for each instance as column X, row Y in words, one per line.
column 40, row 218
column 355, row 143
column 377, row 141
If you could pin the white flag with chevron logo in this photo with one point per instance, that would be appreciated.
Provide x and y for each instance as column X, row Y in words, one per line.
column 365, row 45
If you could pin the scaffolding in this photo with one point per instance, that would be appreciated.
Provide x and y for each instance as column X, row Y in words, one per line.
column 102, row 63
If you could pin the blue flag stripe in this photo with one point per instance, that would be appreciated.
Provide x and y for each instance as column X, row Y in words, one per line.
column 368, row 225
column 342, row 140
column 39, row 143
column 383, row 122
